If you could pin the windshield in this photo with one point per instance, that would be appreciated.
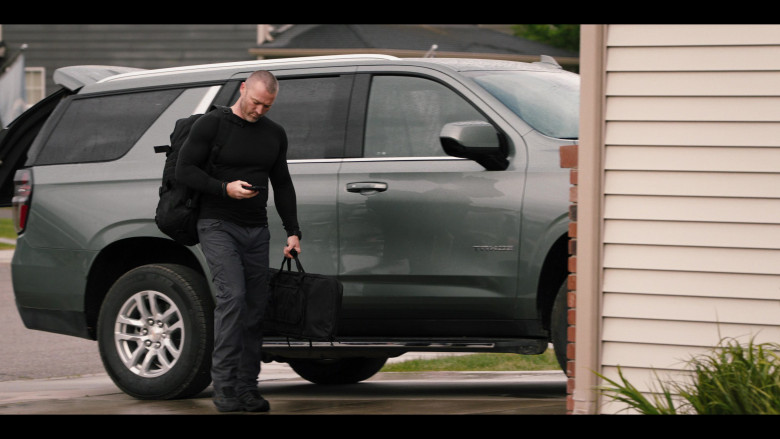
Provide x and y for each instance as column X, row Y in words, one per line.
column 549, row 102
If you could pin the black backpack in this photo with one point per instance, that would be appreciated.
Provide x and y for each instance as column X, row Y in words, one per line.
column 177, row 209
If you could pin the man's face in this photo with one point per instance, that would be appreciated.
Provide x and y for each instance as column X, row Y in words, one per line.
column 255, row 101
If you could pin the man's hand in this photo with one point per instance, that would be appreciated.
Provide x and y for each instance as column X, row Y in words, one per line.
column 293, row 243
column 235, row 189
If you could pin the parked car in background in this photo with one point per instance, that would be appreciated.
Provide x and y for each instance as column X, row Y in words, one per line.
column 430, row 187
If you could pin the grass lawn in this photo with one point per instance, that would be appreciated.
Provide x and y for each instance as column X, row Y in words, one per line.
column 7, row 231
column 478, row 362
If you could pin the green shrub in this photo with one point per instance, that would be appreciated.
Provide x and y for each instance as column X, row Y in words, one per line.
column 733, row 379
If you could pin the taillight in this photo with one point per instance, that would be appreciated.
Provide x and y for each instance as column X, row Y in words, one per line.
column 21, row 199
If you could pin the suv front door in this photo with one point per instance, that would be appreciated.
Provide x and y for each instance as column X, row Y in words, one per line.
column 419, row 230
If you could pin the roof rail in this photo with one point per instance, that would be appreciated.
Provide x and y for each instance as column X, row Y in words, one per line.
column 260, row 63
column 547, row 59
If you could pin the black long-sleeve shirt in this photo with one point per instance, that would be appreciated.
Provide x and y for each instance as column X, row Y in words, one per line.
column 254, row 152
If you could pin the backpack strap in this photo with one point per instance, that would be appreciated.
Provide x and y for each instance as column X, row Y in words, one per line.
column 220, row 138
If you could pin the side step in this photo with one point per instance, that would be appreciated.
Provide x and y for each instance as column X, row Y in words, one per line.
column 393, row 347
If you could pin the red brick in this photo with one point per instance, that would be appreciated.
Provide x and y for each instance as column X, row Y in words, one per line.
column 568, row 156
column 573, row 230
column 573, row 194
column 573, row 176
column 570, row 385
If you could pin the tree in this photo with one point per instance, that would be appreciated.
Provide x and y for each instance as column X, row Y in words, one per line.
column 562, row 36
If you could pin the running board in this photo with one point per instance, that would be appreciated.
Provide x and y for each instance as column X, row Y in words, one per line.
column 393, row 347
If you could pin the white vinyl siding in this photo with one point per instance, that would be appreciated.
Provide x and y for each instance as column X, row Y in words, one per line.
column 743, row 159
column 693, row 233
column 691, row 194
column 694, row 83
column 695, row 109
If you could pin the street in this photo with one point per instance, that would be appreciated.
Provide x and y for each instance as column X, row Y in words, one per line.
column 43, row 373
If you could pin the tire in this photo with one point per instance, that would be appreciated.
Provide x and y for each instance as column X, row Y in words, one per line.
column 559, row 326
column 337, row 371
column 155, row 332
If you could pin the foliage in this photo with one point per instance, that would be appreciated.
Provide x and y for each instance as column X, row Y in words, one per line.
column 737, row 380
column 661, row 402
column 733, row 379
column 562, row 36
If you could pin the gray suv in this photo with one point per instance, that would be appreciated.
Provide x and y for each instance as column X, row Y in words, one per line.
column 430, row 187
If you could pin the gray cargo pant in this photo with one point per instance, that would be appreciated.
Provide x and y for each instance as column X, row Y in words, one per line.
column 238, row 259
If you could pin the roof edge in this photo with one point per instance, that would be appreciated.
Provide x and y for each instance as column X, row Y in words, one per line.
column 259, row 63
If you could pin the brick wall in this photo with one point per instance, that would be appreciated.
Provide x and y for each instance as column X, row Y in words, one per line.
column 568, row 155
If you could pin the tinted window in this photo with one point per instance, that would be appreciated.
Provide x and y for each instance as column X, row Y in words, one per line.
column 313, row 111
column 406, row 114
column 103, row 128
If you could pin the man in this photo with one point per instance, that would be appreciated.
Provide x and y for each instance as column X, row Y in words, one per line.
column 233, row 229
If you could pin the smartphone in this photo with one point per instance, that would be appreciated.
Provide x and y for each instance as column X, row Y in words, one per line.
column 252, row 188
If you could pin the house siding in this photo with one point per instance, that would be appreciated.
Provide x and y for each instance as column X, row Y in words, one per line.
column 690, row 195
column 145, row 46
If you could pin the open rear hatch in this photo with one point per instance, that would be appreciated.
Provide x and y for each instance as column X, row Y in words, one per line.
column 15, row 140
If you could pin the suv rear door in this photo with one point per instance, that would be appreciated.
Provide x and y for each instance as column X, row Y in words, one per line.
column 16, row 139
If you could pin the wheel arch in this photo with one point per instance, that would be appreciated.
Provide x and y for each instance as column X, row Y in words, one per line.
column 122, row 256
column 553, row 274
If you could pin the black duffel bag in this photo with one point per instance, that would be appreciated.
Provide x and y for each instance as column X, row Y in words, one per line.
column 302, row 305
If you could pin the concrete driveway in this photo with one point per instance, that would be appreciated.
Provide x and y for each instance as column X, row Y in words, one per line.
column 387, row 393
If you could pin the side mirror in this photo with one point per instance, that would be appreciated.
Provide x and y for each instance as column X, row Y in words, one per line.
column 475, row 140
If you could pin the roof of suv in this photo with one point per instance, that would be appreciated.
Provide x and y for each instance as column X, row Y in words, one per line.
column 101, row 80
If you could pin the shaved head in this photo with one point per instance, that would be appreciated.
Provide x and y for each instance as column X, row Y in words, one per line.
column 266, row 78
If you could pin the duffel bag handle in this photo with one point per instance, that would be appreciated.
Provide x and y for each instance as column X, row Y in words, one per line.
column 297, row 262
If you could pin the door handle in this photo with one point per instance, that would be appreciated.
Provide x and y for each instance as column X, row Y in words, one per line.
column 366, row 187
